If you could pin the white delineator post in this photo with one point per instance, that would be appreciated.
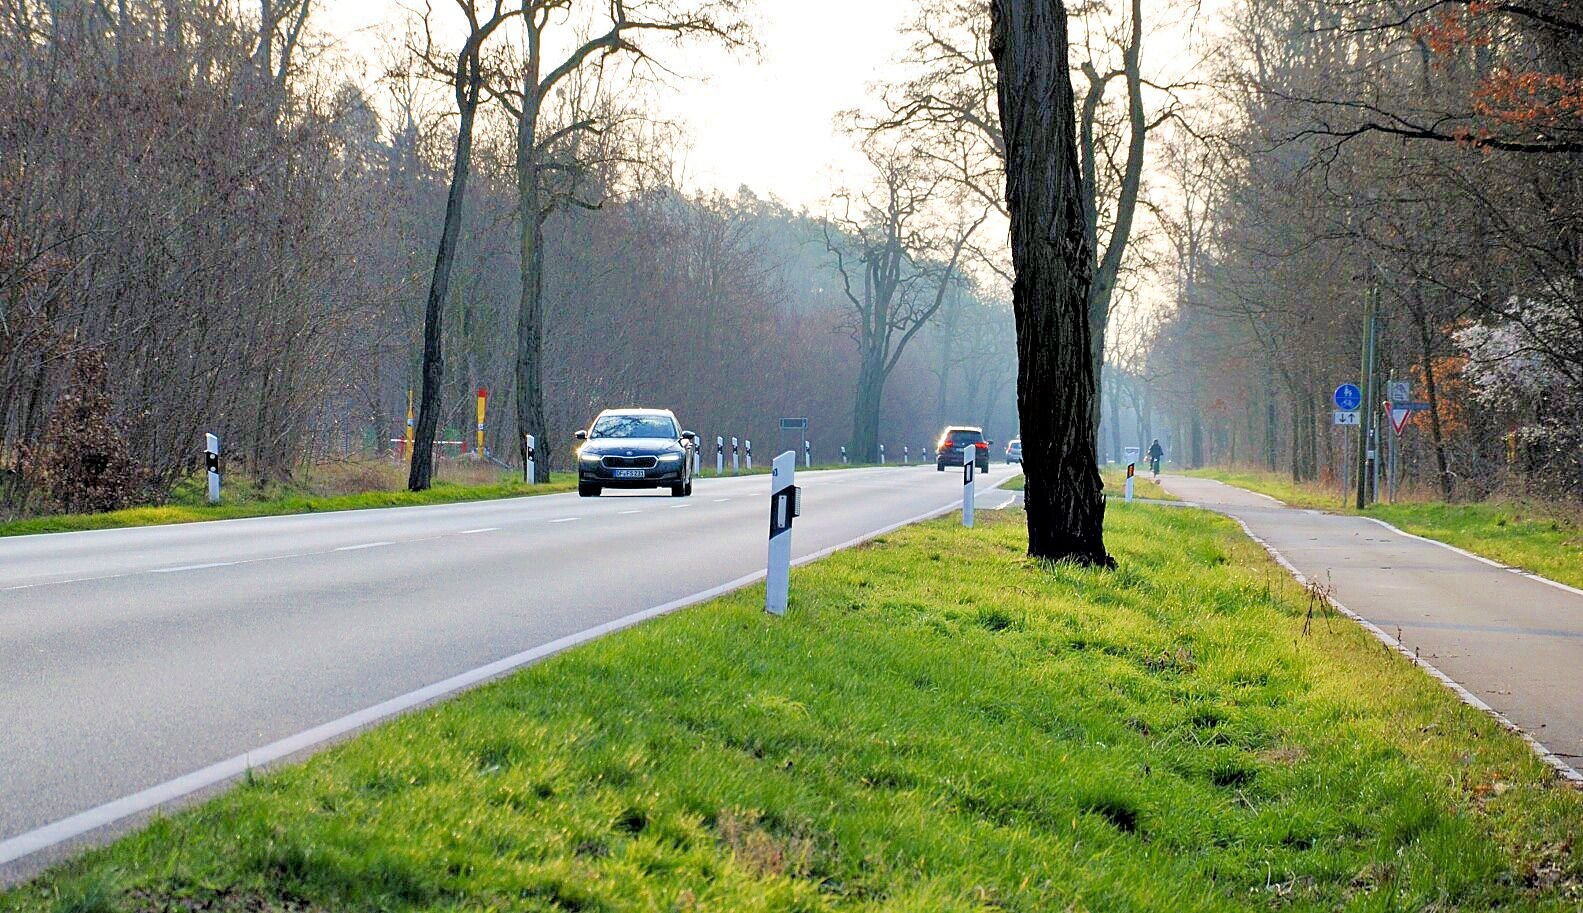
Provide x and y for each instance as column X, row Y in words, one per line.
column 211, row 462
column 747, row 445
column 720, row 455
column 1132, row 469
column 1131, row 455
column 969, row 465
column 906, row 455
column 736, row 456
column 530, row 467
column 807, row 455
column 698, row 459
column 785, row 506
column 843, row 455
column 882, row 454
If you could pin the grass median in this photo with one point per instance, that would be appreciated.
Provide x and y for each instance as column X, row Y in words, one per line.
column 1545, row 538
column 939, row 725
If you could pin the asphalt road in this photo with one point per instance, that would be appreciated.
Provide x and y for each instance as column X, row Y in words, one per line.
column 132, row 657
column 1513, row 641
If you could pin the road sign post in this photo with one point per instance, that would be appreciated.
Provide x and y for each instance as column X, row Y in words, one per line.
column 969, row 464
column 211, row 462
column 785, row 506
column 483, row 406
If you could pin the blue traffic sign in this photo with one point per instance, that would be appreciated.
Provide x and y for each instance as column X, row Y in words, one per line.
column 1348, row 397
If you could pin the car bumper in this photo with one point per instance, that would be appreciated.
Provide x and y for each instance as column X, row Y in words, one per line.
column 652, row 478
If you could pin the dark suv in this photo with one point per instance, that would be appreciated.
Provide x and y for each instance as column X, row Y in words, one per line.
column 949, row 451
column 635, row 448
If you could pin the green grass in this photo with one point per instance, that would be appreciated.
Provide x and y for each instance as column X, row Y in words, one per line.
column 1546, row 539
column 939, row 725
column 1115, row 479
column 244, row 501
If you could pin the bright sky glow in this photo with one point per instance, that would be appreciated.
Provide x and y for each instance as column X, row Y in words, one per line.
column 766, row 121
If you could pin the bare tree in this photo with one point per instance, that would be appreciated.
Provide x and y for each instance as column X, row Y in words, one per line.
column 616, row 27
column 1057, row 386
column 467, row 81
column 906, row 276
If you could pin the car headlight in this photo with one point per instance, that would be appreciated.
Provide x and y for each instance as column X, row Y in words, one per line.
column 589, row 457
column 670, row 458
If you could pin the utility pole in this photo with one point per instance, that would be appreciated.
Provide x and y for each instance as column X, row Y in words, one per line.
column 1366, row 415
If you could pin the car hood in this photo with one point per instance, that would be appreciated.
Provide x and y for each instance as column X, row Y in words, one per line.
column 634, row 446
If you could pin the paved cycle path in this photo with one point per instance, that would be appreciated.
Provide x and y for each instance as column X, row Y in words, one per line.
column 1514, row 641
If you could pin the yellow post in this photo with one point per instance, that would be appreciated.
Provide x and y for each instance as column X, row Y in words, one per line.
column 483, row 404
column 412, row 428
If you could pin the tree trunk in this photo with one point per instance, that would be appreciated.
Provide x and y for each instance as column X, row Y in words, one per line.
column 530, row 313
column 1427, row 352
column 421, row 474
column 1057, row 381
column 866, row 409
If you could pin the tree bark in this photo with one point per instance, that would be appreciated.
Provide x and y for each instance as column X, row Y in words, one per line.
column 1057, row 381
column 866, row 409
column 1427, row 351
column 469, row 87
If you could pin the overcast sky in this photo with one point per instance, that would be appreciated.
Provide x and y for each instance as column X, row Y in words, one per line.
column 767, row 122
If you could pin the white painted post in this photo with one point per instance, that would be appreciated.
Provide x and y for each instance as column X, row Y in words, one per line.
column 783, row 510
column 807, row 455
column 698, row 460
column 882, row 454
column 736, row 456
column 843, row 455
column 969, row 465
column 211, row 462
column 1131, row 455
column 532, row 462
column 906, row 455
column 748, row 446
column 720, row 455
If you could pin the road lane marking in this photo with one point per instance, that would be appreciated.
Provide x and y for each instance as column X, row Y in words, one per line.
column 356, row 548
column 628, row 512
column 721, row 500
column 474, row 532
column 566, row 520
column 191, row 567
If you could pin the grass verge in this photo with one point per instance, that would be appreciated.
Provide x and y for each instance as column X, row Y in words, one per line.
column 321, row 490
column 1546, row 539
column 939, row 725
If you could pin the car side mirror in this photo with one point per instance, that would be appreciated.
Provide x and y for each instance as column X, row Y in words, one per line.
column 690, row 436
column 581, row 435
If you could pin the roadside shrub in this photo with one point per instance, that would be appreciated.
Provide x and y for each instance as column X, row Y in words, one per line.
column 83, row 464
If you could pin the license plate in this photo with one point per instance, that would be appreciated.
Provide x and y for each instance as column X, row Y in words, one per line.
column 628, row 473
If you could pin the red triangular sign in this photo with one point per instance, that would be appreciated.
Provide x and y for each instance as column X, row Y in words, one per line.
column 1399, row 418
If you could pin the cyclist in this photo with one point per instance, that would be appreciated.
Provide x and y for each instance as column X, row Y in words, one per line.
column 1156, row 453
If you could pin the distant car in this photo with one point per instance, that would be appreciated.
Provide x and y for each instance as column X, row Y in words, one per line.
column 635, row 448
column 1014, row 451
column 949, row 451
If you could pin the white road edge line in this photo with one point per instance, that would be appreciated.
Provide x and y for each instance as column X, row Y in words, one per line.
column 190, row 567
column 566, row 520
column 1562, row 768
column 474, row 532
column 1489, row 561
column 356, row 548
column 50, row 835
column 630, row 512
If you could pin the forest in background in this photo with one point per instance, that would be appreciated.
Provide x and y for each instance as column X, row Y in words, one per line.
column 1425, row 156
column 199, row 219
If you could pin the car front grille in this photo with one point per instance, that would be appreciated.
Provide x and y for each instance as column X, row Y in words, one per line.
column 623, row 462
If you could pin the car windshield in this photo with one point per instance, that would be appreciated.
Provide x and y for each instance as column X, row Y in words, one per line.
column 633, row 426
column 963, row 438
